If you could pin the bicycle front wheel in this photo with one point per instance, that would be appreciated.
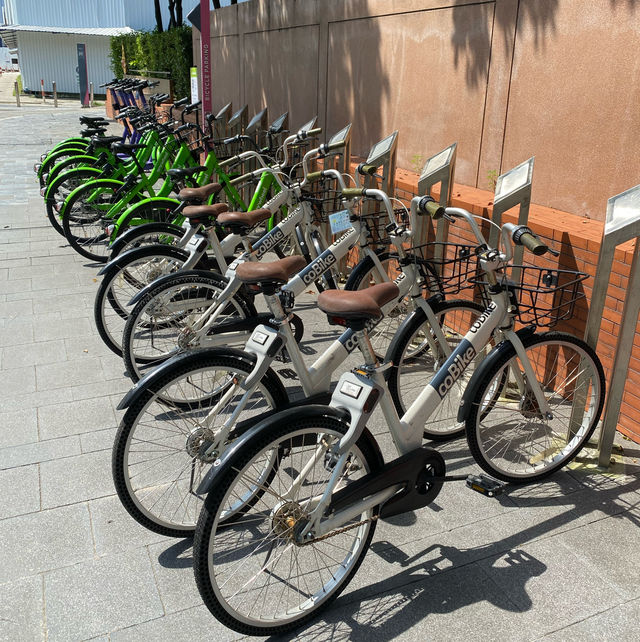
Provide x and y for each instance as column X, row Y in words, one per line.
column 250, row 571
column 510, row 437
column 416, row 356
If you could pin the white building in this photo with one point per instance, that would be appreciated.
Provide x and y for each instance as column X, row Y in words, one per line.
column 46, row 35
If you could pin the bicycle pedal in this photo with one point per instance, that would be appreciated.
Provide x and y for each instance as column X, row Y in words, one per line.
column 485, row 485
column 288, row 373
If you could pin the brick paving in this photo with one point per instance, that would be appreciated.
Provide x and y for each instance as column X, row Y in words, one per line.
column 554, row 560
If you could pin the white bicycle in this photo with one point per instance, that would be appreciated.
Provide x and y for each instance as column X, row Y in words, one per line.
column 293, row 503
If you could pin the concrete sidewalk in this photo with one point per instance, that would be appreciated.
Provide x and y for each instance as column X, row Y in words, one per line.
column 554, row 560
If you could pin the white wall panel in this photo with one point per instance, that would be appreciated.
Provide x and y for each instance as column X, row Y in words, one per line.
column 54, row 57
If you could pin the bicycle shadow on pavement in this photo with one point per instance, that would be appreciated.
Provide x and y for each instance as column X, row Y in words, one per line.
column 441, row 579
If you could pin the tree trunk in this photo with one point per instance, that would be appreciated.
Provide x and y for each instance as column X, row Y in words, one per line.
column 172, row 15
column 179, row 12
column 156, row 4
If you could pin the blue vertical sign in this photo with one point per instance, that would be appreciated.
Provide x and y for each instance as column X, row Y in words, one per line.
column 83, row 76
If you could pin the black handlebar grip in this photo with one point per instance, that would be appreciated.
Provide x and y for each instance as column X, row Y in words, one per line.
column 524, row 236
column 182, row 101
column 353, row 192
column 431, row 208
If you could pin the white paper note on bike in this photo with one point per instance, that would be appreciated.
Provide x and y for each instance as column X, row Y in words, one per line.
column 339, row 221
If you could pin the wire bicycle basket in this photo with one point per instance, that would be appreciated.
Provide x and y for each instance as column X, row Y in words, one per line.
column 542, row 296
column 455, row 263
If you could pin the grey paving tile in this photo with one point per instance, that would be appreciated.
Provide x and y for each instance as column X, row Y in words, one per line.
column 76, row 479
column 191, row 625
column 551, row 583
column 57, row 538
column 18, row 381
column 35, row 354
column 71, row 373
column 92, row 598
column 76, row 417
column 620, row 622
column 607, row 546
column 39, row 451
column 29, row 271
column 36, row 399
column 20, row 491
column 22, row 610
column 18, row 427
column 64, row 329
column 111, row 387
column 15, row 332
column 113, row 367
column 114, row 530
column 173, row 569
column 97, row 440
column 87, row 346
column 18, row 285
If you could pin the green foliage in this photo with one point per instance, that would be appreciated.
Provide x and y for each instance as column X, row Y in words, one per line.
column 156, row 51
column 492, row 179
column 417, row 161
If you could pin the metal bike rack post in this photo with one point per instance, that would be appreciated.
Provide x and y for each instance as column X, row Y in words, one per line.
column 257, row 125
column 340, row 160
column 238, row 121
column 622, row 223
column 279, row 129
column 55, row 94
column 383, row 156
column 438, row 169
column 17, row 92
column 513, row 188
column 221, row 121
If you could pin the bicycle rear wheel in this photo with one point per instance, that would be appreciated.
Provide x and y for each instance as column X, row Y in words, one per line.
column 160, row 454
column 124, row 280
column 510, row 437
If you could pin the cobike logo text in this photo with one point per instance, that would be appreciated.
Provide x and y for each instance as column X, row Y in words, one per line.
column 318, row 267
column 483, row 317
column 348, row 338
column 268, row 242
column 453, row 368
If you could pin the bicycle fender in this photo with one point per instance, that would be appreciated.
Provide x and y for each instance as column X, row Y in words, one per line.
column 123, row 259
column 123, row 239
column 503, row 349
column 192, row 359
column 167, row 277
column 254, row 433
column 103, row 181
column 170, row 203
column 63, row 175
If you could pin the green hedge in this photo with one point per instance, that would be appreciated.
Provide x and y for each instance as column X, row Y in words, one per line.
column 167, row 51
